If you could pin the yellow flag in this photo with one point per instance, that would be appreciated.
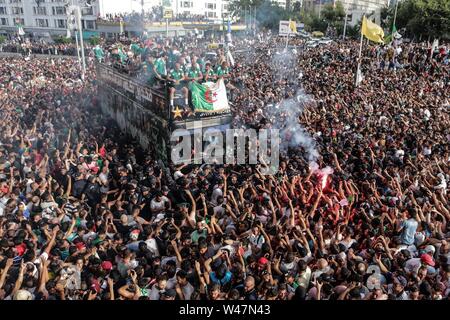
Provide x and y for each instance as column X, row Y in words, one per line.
column 372, row 31
column 293, row 26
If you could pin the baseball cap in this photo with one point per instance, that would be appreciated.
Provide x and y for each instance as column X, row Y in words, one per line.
column 426, row 258
column 263, row 261
column 106, row 265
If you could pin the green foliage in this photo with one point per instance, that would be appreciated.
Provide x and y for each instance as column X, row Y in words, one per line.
column 2, row 39
column 94, row 40
column 428, row 18
column 313, row 23
column 333, row 14
column 63, row 40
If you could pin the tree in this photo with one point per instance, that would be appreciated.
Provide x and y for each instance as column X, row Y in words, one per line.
column 333, row 13
column 2, row 40
column 63, row 40
column 238, row 7
column 429, row 18
column 313, row 23
column 94, row 40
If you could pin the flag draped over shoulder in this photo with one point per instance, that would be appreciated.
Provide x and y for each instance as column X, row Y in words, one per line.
column 209, row 96
column 372, row 31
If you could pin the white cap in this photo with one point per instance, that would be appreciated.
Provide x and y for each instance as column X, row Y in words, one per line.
column 23, row 295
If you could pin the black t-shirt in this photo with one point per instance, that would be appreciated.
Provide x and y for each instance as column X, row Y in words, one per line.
column 78, row 188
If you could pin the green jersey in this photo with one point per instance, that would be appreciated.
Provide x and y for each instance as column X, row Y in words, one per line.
column 136, row 49
column 160, row 66
column 194, row 73
column 177, row 74
column 201, row 63
column 222, row 71
column 209, row 73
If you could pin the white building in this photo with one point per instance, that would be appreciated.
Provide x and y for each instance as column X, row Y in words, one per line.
column 355, row 8
column 211, row 9
column 39, row 17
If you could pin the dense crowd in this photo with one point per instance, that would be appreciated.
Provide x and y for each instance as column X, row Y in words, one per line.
column 27, row 48
column 86, row 214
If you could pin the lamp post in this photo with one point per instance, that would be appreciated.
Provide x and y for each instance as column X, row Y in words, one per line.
column 74, row 10
column 345, row 21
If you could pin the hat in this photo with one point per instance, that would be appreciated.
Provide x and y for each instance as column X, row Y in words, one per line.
column 22, row 295
column 263, row 261
column 165, row 189
column 426, row 258
column 401, row 280
column 170, row 293
column 430, row 249
column 106, row 265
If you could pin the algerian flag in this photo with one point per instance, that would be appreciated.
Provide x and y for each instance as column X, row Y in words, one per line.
column 209, row 96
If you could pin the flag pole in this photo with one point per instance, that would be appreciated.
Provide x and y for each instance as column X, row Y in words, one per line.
column 289, row 32
column 395, row 15
column 359, row 57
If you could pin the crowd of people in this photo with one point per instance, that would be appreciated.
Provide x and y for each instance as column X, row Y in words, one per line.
column 86, row 214
column 27, row 48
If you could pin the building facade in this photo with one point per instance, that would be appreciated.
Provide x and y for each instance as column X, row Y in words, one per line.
column 40, row 17
column 355, row 8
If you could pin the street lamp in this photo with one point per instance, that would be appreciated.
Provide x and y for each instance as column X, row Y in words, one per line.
column 74, row 12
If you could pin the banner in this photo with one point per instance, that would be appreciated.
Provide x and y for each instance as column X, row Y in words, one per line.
column 287, row 27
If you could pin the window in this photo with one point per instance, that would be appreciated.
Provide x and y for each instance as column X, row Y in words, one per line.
column 3, row 21
column 40, row 11
column 15, row 1
column 87, row 11
column 2, row 1
column 61, row 23
column 43, row 23
column 17, row 10
column 187, row 4
column 225, row 7
column 211, row 14
column 3, row 10
column 89, row 24
column 59, row 11
column 210, row 6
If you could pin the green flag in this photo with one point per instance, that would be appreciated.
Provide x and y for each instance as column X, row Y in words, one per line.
column 209, row 96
